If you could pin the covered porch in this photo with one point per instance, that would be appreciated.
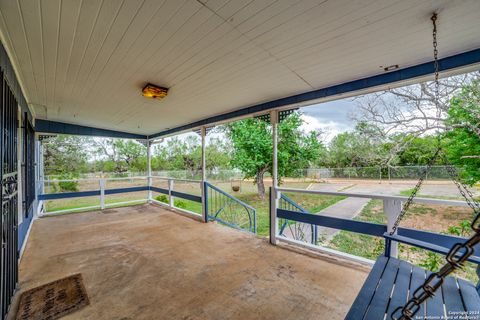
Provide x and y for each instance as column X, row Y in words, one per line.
column 90, row 68
column 147, row 262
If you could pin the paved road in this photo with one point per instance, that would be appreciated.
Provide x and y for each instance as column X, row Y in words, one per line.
column 347, row 209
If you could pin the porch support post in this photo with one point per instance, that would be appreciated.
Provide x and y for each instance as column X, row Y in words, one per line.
column 102, row 183
column 149, row 170
column 203, row 133
column 39, row 176
column 274, row 193
column 392, row 209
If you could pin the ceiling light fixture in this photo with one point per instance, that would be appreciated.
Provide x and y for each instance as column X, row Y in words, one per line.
column 153, row 91
column 390, row 68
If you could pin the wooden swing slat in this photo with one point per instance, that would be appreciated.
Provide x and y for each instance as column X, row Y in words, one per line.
column 470, row 296
column 452, row 295
column 391, row 281
column 384, row 289
column 434, row 305
column 417, row 279
column 402, row 284
column 365, row 296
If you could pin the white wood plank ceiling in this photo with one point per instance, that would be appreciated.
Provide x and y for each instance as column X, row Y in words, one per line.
column 85, row 62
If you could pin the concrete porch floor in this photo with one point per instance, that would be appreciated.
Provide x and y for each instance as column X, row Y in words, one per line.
column 145, row 262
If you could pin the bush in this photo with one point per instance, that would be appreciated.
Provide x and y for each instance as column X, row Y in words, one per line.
column 162, row 198
column 66, row 186
column 180, row 204
column 53, row 187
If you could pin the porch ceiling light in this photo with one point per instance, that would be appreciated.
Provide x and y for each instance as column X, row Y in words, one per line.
column 153, row 91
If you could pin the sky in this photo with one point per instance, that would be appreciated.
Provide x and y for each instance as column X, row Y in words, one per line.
column 330, row 117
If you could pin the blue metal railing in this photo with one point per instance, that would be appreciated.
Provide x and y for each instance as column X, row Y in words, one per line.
column 228, row 210
column 296, row 230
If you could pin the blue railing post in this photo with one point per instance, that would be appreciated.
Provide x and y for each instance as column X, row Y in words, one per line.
column 388, row 246
column 255, row 222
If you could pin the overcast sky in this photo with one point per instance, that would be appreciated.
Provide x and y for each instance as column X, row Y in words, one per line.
column 330, row 117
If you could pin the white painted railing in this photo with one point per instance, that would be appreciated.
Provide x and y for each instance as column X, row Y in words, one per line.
column 99, row 187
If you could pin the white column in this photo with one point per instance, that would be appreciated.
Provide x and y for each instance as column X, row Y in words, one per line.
column 392, row 209
column 204, row 174
column 102, row 193
column 275, row 194
column 149, row 169
column 171, row 200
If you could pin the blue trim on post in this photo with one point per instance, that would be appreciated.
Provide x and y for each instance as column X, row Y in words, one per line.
column 66, row 195
column 373, row 229
column 23, row 227
column 125, row 190
column 178, row 194
column 186, row 196
column 448, row 63
column 46, row 126
column 159, row 190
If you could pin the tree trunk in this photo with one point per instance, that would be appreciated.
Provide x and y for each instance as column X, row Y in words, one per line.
column 260, row 183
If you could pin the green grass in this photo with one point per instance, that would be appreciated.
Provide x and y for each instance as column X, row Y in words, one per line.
column 360, row 244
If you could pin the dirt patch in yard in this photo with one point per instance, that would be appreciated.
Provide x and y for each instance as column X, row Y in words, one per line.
column 434, row 218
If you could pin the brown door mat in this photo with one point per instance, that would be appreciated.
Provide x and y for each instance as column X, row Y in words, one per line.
column 53, row 300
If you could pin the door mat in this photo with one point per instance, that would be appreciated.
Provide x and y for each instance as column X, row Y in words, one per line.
column 53, row 300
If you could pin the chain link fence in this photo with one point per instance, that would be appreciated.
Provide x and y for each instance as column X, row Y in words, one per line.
column 374, row 173
column 363, row 173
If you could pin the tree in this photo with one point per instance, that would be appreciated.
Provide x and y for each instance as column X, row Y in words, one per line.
column 463, row 141
column 121, row 154
column 419, row 151
column 362, row 147
column 186, row 154
column 65, row 154
column 252, row 148
column 412, row 110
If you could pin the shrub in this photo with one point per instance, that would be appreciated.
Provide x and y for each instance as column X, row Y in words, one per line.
column 180, row 204
column 68, row 185
column 162, row 198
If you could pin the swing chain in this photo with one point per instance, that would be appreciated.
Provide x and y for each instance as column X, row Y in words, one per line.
column 432, row 161
column 460, row 252
column 415, row 190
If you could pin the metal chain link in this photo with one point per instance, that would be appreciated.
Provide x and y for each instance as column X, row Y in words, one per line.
column 460, row 252
column 415, row 190
column 423, row 176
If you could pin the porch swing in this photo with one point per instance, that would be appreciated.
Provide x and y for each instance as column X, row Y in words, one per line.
column 396, row 289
